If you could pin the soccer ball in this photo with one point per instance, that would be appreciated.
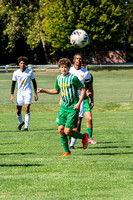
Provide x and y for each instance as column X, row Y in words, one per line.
column 79, row 38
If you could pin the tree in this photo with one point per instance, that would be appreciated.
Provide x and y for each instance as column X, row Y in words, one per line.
column 102, row 20
column 129, row 21
column 51, row 22
column 21, row 19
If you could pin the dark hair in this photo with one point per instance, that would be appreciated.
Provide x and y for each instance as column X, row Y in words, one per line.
column 23, row 58
column 64, row 61
column 78, row 54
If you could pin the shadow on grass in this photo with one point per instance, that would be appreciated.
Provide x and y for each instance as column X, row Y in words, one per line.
column 105, row 154
column 9, row 143
column 20, row 165
column 22, row 131
column 108, row 142
column 111, row 147
column 21, row 153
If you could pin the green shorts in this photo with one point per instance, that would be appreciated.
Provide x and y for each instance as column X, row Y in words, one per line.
column 87, row 105
column 67, row 118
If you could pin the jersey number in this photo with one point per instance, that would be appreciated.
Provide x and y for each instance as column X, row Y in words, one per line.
column 63, row 92
column 22, row 82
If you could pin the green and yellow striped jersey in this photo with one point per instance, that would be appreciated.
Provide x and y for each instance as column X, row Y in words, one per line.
column 68, row 86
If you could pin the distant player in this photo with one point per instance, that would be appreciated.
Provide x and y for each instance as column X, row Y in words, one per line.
column 85, row 109
column 68, row 85
column 23, row 77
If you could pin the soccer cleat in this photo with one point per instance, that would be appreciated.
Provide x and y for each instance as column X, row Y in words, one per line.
column 91, row 141
column 85, row 141
column 25, row 129
column 20, row 126
column 72, row 147
column 66, row 154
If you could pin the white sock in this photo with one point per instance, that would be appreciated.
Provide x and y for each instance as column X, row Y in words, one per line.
column 27, row 119
column 73, row 141
column 19, row 116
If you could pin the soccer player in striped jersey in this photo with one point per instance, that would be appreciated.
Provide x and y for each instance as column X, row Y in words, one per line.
column 23, row 77
column 85, row 109
column 68, row 85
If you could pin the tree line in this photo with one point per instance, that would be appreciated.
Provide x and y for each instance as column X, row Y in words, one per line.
column 41, row 29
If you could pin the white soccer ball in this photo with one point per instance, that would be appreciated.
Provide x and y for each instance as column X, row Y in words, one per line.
column 79, row 38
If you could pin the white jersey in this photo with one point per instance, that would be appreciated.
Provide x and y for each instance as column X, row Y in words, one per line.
column 23, row 80
column 82, row 74
column 85, row 77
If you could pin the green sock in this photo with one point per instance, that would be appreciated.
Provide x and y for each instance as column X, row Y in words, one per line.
column 64, row 142
column 76, row 134
column 89, row 131
column 69, row 138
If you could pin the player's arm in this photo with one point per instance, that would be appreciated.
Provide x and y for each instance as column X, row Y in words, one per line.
column 90, row 91
column 12, row 91
column 91, row 96
column 76, row 107
column 87, row 87
column 35, row 88
column 53, row 91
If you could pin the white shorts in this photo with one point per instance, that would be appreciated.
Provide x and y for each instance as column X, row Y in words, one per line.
column 81, row 112
column 24, row 98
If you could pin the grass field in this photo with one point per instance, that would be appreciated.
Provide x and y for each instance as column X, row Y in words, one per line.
column 31, row 166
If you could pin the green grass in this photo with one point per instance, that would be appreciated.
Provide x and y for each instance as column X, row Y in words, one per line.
column 31, row 166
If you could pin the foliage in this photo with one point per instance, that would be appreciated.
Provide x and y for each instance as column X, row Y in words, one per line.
column 129, row 22
column 50, row 23
column 101, row 19
column 19, row 16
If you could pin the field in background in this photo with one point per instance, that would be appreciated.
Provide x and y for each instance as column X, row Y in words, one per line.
column 31, row 164
column 109, row 85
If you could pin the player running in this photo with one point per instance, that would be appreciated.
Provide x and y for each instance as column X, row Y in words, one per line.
column 23, row 77
column 68, row 85
column 85, row 109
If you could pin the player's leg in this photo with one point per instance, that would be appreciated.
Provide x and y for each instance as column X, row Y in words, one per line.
column 76, row 134
column 88, row 116
column 64, row 140
column 78, row 127
column 19, row 104
column 61, row 120
column 71, row 123
column 27, row 116
column 27, row 98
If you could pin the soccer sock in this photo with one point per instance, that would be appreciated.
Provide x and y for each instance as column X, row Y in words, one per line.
column 73, row 142
column 27, row 119
column 64, row 142
column 69, row 138
column 76, row 134
column 89, row 131
column 19, row 116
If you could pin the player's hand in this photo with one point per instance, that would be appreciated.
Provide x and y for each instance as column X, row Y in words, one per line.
column 12, row 99
column 91, row 105
column 60, row 102
column 88, row 93
column 36, row 97
column 76, row 107
column 39, row 90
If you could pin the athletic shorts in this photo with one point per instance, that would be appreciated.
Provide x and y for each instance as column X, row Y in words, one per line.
column 84, row 107
column 67, row 118
column 87, row 105
column 24, row 98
